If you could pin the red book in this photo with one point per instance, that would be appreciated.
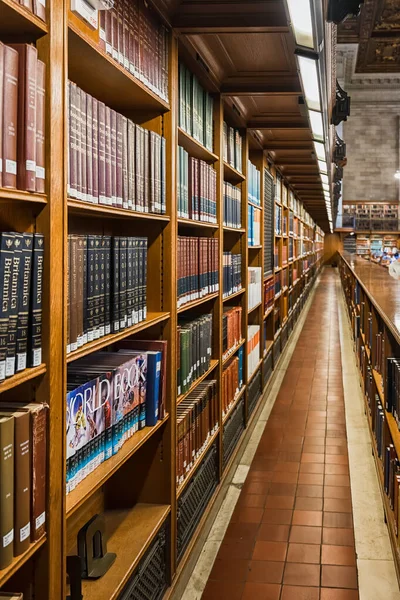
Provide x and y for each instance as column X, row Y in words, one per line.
column 102, row 153
column 26, row 129
column 28, row 4
column 113, row 134
column 119, row 159
column 10, row 117
column 108, row 170
column 40, row 126
column 95, row 150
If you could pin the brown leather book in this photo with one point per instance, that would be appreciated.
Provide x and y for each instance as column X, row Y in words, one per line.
column 28, row 4
column 1, row 109
column 95, row 150
column 40, row 126
column 89, row 148
column 113, row 133
column 119, row 121
column 6, row 490
column 101, row 126
column 39, row 468
column 39, row 9
column 108, row 150
column 73, row 291
column 22, row 478
column 26, row 129
column 10, row 116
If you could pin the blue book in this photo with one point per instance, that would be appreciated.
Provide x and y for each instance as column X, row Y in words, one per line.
column 153, row 387
column 240, row 356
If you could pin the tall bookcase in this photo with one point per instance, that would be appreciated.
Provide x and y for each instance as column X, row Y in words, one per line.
column 151, row 523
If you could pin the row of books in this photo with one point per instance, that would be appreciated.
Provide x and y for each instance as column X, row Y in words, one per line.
column 269, row 294
column 254, row 226
column 195, row 108
column 232, row 381
column 107, row 286
column 254, row 286
column 253, row 349
column 21, row 275
column 197, row 421
column 232, row 147
column 22, row 118
column 23, row 477
column 194, row 350
column 278, row 283
column 135, row 38
column 197, row 189
column 253, row 182
column 231, row 329
column 232, row 205
column 392, row 397
column 278, row 220
column 379, row 352
column 284, row 254
column 232, row 273
column 391, row 469
column 111, row 160
column 38, row 8
column 110, row 397
column 197, row 268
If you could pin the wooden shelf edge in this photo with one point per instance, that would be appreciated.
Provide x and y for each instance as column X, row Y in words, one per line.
column 79, row 206
column 194, row 147
column 19, row 195
column 197, row 302
column 96, row 479
column 22, row 377
column 20, row 560
column 254, row 204
column 197, row 462
column 250, row 310
column 116, row 337
column 214, row 363
column 232, row 351
column 233, row 229
column 239, row 293
column 234, row 404
column 233, row 174
column 193, row 223
column 268, row 348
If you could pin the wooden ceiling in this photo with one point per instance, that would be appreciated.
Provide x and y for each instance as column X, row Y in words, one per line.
column 245, row 50
column 377, row 31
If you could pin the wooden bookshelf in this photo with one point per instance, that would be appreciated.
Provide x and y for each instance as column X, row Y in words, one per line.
column 135, row 490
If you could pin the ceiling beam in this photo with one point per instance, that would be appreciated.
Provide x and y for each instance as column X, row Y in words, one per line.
column 294, row 125
column 257, row 86
column 293, row 145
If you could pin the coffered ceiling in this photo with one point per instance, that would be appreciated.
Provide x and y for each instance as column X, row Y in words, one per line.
column 245, row 50
column 377, row 31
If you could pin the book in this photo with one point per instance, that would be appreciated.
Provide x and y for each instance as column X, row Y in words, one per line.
column 35, row 320
column 232, row 147
column 26, row 129
column 254, row 286
column 197, row 189
column 197, row 421
column 269, row 294
column 112, row 161
column 6, row 489
column 195, row 108
column 194, row 350
column 6, row 264
column 254, row 226
column 253, row 349
column 253, row 178
column 13, row 304
column 232, row 382
column 197, row 268
column 231, row 330
column 232, row 273
column 232, row 205
column 40, row 127
column 10, row 117
column 107, row 286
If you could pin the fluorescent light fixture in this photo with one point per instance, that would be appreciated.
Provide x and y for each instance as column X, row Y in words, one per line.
column 317, row 127
column 397, row 174
column 300, row 16
column 323, row 167
column 324, row 178
column 320, row 150
column 309, row 76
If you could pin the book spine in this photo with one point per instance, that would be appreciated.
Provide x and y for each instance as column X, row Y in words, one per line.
column 102, row 285
column 39, row 8
column 35, row 322
column 131, row 165
column 6, row 265
column 95, row 150
column 108, row 151
column 107, row 293
column 40, row 127
column 135, row 294
column 96, row 296
column 122, row 283
column 24, row 302
column 89, row 148
column 115, row 278
column 102, row 29
column 78, row 143
column 79, row 309
column 84, row 251
column 83, row 147
column 15, row 290
column 146, row 172
column 22, row 482
column 113, row 136
column 26, row 129
column 71, row 187
column 6, row 491
column 90, row 286
column 39, row 461
column 101, row 153
column 129, row 281
column 72, row 277
column 10, row 117
column 119, row 159
column 125, row 174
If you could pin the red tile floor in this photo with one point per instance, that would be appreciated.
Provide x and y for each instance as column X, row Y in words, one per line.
column 291, row 535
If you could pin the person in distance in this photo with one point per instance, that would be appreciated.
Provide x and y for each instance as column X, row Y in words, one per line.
column 394, row 268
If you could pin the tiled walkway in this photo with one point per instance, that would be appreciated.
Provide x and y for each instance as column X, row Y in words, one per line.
column 291, row 535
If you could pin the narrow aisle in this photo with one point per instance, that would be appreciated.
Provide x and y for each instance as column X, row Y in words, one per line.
column 291, row 534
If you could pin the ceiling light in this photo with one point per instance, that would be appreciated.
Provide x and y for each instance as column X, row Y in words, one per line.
column 324, row 178
column 300, row 16
column 317, row 127
column 397, row 174
column 322, row 166
column 309, row 76
column 320, row 150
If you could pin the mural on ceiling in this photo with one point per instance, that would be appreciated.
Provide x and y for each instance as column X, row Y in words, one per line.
column 377, row 30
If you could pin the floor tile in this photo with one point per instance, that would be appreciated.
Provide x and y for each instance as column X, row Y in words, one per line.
column 340, row 577
column 294, row 592
column 273, row 533
column 301, row 574
column 304, row 553
column 261, row 591
column 305, row 535
column 275, row 551
column 265, row 571
column 338, row 555
column 310, row 518
column 229, row 570
column 277, row 516
column 216, row 590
